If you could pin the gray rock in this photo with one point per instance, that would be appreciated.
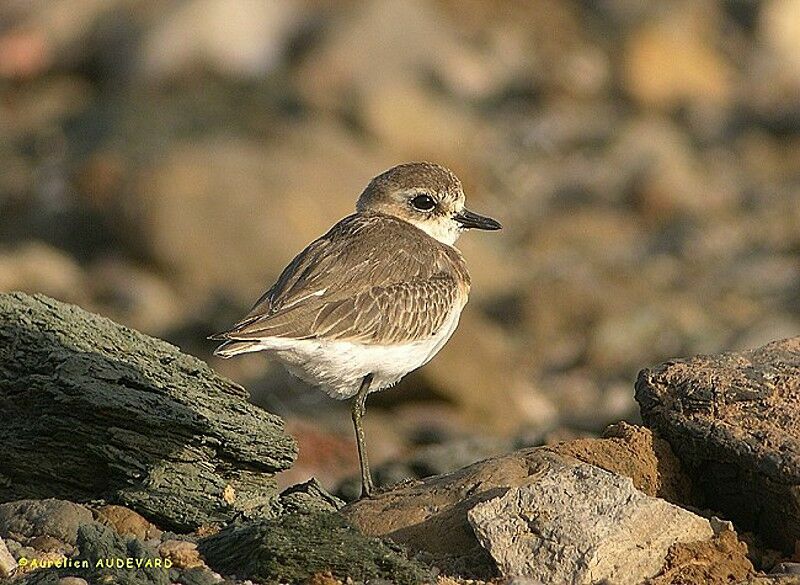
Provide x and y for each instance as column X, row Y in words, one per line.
column 308, row 496
column 98, row 543
column 113, row 414
column 576, row 523
column 28, row 519
column 786, row 569
column 734, row 421
column 294, row 547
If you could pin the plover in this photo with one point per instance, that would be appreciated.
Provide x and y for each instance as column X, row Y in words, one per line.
column 374, row 298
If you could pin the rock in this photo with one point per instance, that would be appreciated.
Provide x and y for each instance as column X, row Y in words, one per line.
column 28, row 519
column 778, row 31
column 295, row 547
column 72, row 581
column 674, row 60
column 182, row 553
column 308, row 496
column 427, row 461
column 113, row 414
column 308, row 179
column 48, row 544
column 8, row 564
column 773, row 580
column 633, row 451
column 37, row 267
column 430, row 516
column 126, row 522
column 252, row 43
column 733, row 420
column 786, row 569
column 576, row 523
column 100, row 543
column 718, row 561
column 337, row 70
column 134, row 296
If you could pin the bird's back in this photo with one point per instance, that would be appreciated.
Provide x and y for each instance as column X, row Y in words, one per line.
column 372, row 278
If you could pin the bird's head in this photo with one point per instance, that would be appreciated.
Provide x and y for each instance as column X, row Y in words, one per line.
column 426, row 195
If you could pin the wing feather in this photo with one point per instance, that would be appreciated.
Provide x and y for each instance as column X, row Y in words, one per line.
column 344, row 287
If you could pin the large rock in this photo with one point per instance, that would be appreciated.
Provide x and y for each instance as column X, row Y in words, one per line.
column 576, row 523
column 113, row 414
column 431, row 516
column 734, row 421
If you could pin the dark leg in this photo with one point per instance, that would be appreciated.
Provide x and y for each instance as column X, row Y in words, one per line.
column 359, row 408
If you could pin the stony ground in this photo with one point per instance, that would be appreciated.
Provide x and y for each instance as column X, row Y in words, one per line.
column 136, row 483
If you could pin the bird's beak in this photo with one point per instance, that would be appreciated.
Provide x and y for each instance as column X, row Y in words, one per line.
column 469, row 219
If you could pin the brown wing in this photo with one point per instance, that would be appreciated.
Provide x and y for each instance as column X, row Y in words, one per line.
column 344, row 286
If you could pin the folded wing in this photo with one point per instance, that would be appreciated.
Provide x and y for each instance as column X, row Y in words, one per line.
column 344, row 287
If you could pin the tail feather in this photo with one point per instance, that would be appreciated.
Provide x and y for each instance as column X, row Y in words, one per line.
column 232, row 348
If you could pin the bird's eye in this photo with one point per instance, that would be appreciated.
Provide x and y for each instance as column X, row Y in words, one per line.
column 423, row 202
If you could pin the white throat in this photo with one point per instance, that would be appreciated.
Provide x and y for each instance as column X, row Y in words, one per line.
column 446, row 231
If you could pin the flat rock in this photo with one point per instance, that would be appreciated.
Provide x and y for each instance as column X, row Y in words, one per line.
column 734, row 421
column 577, row 523
column 112, row 414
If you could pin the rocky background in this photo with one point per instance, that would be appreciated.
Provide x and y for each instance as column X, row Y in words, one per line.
column 160, row 162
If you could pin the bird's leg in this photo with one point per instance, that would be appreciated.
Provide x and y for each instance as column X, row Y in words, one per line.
column 359, row 408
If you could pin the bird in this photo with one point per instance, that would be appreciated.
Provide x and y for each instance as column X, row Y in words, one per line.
column 374, row 298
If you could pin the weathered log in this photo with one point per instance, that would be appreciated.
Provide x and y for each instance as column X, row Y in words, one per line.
column 734, row 421
column 91, row 410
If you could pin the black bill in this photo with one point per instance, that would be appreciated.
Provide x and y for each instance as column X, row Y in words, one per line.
column 469, row 219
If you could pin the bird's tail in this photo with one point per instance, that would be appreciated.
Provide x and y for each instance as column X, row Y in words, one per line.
column 232, row 348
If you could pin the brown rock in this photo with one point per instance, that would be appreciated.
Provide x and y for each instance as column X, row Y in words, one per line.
column 252, row 42
column 47, row 544
column 431, row 516
column 634, row 452
column 182, row 553
column 674, row 60
column 323, row 579
column 719, row 561
column 127, row 522
column 734, row 421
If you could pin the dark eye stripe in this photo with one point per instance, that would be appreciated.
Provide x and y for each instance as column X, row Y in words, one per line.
column 423, row 202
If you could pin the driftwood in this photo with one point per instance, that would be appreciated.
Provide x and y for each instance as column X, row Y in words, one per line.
column 91, row 410
column 734, row 421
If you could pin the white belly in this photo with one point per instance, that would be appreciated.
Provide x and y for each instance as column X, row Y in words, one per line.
column 338, row 367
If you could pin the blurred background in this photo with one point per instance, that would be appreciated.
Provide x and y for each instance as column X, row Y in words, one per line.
column 160, row 162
